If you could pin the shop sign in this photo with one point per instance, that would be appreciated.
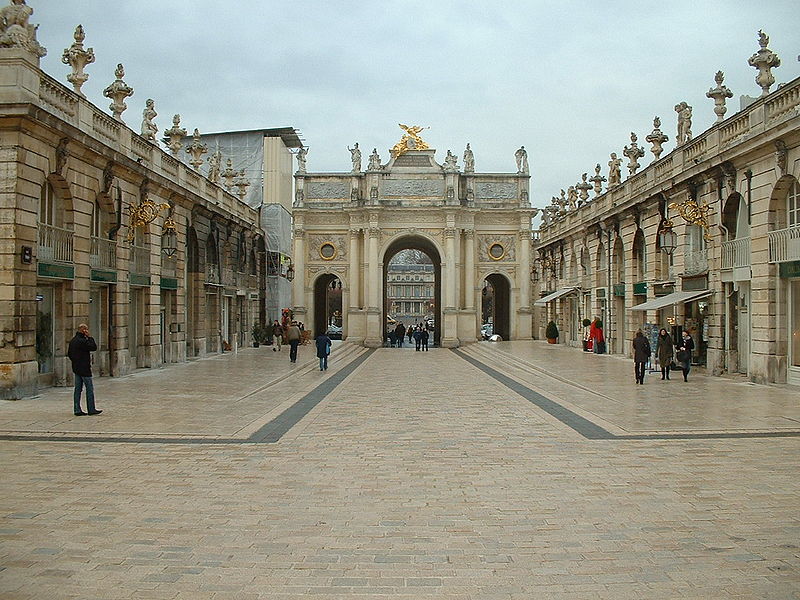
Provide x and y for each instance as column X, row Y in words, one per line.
column 790, row 269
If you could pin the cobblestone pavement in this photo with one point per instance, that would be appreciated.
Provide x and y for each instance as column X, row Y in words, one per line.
column 403, row 474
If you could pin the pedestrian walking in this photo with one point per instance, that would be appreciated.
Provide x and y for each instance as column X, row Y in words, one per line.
column 684, row 355
column 418, row 337
column 598, row 339
column 293, row 337
column 79, row 353
column 400, row 332
column 664, row 352
column 410, row 333
column 425, row 336
column 641, row 354
column 277, row 336
column 323, row 350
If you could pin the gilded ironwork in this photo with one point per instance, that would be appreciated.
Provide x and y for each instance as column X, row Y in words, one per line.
column 143, row 214
column 410, row 140
column 695, row 214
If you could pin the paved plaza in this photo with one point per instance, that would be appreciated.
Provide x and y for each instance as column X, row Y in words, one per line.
column 510, row 470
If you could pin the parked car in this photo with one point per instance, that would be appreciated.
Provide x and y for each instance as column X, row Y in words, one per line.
column 334, row 332
column 487, row 330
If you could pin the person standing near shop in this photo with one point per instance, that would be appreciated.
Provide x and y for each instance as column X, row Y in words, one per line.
column 323, row 350
column 641, row 354
column 293, row 337
column 400, row 332
column 277, row 336
column 79, row 353
column 664, row 352
column 684, row 355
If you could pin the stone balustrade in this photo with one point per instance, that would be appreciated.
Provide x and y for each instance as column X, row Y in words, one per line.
column 736, row 253
column 784, row 245
column 55, row 244
column 140, row 260
column 103, row 253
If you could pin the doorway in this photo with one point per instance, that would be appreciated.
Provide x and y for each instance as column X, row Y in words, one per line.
column 412, row 286
column 327, row 305
column 496, row 305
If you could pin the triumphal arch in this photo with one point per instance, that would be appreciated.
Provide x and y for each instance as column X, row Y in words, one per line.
column 475, row 227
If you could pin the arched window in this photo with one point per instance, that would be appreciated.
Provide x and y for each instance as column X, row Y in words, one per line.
column 47, row 205
column 639, row 256
column 793, row 205
column 97, row 217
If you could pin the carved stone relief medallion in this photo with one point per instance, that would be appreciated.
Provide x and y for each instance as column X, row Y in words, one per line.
column 497, row 251
column 327, row 251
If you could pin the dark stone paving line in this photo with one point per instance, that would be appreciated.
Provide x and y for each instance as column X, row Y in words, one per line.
column 593, row 431
column 280, row 425
column 268, row 434
column 574, row 421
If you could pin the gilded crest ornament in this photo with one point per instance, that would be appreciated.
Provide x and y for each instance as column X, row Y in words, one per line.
column 694, row 213
column 410, row 140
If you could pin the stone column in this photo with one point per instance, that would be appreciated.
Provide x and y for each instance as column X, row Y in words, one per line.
column 299, row 260
column 375, row 325
column 355, row 275
column 449, row 330
column 470, row 269
column 524, row 324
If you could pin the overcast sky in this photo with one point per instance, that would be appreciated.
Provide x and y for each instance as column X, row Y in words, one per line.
column 567, row 80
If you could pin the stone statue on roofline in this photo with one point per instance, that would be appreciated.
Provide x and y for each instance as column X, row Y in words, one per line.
column 597, row 180
column 77, row 57
column 149, row 128
column 614, row 171
column 374, row 161
column 572, row 197
column 764, row 60
column 684, row 123
column 355, row 157
column 16, row 32
column 214, row 166
column 719, row 94
column 469, row 160
column 521, row 157
column 450, row 162
column 301, row 159
column 633, row 153
column 657, row 138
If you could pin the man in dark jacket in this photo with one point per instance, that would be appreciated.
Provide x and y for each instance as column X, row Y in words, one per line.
column 323, row 350
column 80, row 349
column 641, row 354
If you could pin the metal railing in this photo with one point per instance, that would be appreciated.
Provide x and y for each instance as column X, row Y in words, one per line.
column 736, row 253
column 212, row 273
column 55, row 244
column 695, row 263
column 103, row 254
column 784, row 244
column 140, row 260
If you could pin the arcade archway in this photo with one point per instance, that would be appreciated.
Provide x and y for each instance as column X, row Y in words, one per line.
column 327, row 304
column 426, row 247
column 496, row 304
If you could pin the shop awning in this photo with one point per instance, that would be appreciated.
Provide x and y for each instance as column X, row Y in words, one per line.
column 555, row 295
column 670, row 299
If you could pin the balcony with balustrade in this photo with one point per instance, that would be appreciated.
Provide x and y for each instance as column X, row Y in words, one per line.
column 55, row 252
column 736, row 259
column 784, row 245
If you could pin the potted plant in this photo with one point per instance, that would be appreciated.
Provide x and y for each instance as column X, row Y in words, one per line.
column 551, row 333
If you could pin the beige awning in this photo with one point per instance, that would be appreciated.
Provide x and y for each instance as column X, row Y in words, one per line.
column 555, row 295
column 670, row 299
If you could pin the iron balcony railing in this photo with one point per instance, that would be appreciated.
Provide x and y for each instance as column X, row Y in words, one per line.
column 103, row 254
column 55, row 244
column 736, row 253
column 140, row 260
column 784, row 245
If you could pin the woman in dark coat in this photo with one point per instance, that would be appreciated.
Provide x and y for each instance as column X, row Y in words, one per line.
column 641, row 354
column 684, row 356
column 664, row 352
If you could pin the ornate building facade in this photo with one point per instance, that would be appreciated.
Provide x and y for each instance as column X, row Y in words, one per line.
column 101, row 226
column 473, row 226
column 409, row 294
column 728, row 275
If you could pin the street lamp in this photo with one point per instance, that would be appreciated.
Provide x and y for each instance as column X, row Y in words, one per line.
column 290, row 272
column 169, row 238
column 667, row 239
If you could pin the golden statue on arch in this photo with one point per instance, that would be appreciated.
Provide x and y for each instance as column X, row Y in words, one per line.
column 409, row 141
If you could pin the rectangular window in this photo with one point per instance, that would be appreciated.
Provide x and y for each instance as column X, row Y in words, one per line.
column 793, row 205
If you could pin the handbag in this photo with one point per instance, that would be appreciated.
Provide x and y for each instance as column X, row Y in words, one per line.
column 682, row 356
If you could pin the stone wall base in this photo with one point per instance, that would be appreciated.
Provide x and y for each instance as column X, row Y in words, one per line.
column 18, row 380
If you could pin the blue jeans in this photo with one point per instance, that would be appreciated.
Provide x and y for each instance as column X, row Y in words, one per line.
column 293, row 344
column 323, row 363
column 81, row 381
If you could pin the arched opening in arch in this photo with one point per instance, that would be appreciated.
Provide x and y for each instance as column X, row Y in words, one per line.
column 601, row 265
column 327, row 306
column 411, row 264
column 639, row 257
column 618, row 291
column 496, row 304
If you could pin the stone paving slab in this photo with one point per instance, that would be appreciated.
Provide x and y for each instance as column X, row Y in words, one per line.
column 417, row 477
column 602, row 388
